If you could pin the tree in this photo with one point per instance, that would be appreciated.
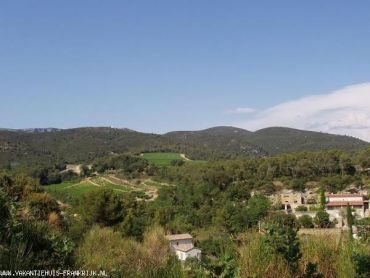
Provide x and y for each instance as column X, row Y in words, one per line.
column 322, row 219
column 102, row 207
column 282, row 237
column 85, row 171
column 257, row 208
column 349, row 220
column 322, row 198
column 218, row 177
column 311, row 271
column 132, row 225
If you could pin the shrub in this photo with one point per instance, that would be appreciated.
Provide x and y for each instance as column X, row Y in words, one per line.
column 257, row 259
column 362, row 264
column 301, row 208
column 306, row 221
column 103, row 248
column 322, row 219
column 4, row 211
column 281, row 235
column 102, row 207
column 41, row 205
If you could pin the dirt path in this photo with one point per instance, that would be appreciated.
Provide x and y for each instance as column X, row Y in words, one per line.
column 150, row 191
column 183, row 156
column 93, row 183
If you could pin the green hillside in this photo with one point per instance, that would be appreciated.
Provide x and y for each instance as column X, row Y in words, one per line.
column 277, row 140
column 84, row 145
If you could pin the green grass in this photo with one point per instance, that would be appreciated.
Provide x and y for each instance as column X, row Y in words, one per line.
column 162, row 159
column 153, row 183
column 70, row 192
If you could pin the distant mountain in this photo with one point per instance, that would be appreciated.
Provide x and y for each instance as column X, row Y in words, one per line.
column 85, row 144
column 276, row 140
column 271, row 141
column 231, row 141
column 33, row 130
column 71, row 145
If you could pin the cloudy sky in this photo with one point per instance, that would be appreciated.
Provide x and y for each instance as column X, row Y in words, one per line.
column 163, row 65
column 345, row 111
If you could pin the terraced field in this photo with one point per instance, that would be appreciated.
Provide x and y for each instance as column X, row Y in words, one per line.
column 70, row 192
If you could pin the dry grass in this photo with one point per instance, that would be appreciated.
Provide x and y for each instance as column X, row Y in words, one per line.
column 257, row 260
column 329, row 250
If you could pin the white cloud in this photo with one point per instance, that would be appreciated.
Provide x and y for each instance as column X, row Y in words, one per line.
column 345, row 111
column 241, row 110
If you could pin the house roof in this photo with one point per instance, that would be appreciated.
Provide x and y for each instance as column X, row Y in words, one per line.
column 345, row 203
column 343, row 195
column 179, row 237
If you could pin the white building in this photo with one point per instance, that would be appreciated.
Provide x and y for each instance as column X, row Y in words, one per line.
column 183, row 246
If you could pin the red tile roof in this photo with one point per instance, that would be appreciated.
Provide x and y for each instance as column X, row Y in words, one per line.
column 345, row 203
column 343, row 195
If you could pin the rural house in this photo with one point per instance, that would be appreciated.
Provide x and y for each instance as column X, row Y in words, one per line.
column 291, row 199
column 338, row 202
column 183, row 246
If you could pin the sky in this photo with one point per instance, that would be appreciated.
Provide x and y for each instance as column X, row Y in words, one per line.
column 157, row 66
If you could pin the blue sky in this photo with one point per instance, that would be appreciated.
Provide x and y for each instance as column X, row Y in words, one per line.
column 172, row 65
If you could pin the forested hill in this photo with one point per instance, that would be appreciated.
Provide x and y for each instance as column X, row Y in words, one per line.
column 277, row 140
column 230, row 141
column 86, row 144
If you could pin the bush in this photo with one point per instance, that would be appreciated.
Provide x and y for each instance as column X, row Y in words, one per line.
column 4, row 211
column 306, row 221
column 103, row 248
column 177, row 162
column 362, row 264
column 102, row 207
column 257, row 259
column 41, row 205
column 34, row 245
column 281, row 235
column 301, row 208
column 322, row 219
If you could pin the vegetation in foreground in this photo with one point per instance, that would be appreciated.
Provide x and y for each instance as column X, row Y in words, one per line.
column 213, row 201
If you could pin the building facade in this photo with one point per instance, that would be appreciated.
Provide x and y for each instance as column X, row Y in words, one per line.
column 182, row 245
column 339, row 202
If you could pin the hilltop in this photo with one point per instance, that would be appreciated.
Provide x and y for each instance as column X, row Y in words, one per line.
column 277, row 140
column 88, row 143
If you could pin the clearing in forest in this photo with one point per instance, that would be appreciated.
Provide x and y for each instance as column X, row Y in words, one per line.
column 163, row 159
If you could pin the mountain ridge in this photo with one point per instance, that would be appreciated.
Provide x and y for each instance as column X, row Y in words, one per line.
column 221, row 142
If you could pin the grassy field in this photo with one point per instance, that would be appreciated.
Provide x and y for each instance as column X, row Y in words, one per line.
column 69, row 192
column 162, row 159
